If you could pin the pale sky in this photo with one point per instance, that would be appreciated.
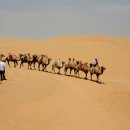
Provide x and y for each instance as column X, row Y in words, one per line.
column 43, row 19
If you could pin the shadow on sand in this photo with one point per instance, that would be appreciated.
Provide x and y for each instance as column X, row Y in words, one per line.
column 99, row 82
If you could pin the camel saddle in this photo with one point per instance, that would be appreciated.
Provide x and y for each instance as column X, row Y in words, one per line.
column 10, row 57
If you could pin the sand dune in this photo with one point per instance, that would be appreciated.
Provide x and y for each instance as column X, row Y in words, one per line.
column 32, row 99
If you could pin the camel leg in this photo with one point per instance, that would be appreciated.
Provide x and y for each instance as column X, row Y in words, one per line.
column 17, row 62
column 39, row 67
column 70, row 71
column 91, row 76
column 98, row 79
column 45, row 67
column 86, row 76
column 21, row 64
column 42, row 67
column 75, row 72
column 59, row 71
column 8, row 63
column 53, row 68
column 34, row 65
column 14, row 64
column 65, row 70
column 78, row 73
column 28, row 65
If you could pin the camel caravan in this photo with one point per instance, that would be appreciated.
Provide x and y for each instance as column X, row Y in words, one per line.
column 44, row 61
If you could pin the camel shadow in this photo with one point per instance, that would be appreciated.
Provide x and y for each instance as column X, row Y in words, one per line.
column 74, row 77
column 99, row 82
column 52, row 72
column 68, row 75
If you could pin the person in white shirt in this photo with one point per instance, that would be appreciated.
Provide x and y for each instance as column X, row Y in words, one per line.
column 2, row 70
column 95, row 62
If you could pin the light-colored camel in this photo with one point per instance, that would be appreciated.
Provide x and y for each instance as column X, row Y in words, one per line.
column 57, row 64
column 12, row 58
column 71, row 65
column 44, row 61
column 98, row 70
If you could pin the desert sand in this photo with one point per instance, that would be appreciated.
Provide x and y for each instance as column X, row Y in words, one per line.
column 36, row 100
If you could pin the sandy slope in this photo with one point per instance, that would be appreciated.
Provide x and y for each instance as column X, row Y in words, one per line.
column 33, row 100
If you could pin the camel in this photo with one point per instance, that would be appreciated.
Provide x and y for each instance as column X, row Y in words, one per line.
column 26, row 59
column 57, row 64
column 23, row 58
column 35, row 59
column 82, row 67
column 72, row 65
column 98, row 70
column 12, row 58
column 44, row 61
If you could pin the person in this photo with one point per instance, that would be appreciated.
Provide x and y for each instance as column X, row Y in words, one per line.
column 2, row 70
column 73, row 62
column 69, row 61
column 95, row 62
column 59, row 62
column 9, row 55
column 29, row 56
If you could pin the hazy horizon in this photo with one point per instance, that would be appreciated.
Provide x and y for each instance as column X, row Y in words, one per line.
column 43, row 19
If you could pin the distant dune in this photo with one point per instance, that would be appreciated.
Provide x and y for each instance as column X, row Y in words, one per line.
column 32, row 99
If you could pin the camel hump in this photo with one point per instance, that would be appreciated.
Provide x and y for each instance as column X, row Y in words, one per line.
column 85, row 64
column 34, row 54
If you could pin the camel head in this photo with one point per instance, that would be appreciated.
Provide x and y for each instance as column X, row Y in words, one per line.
column 21, row 55
column 63, row 62
column 49, row 59
column 103, row 69
column 2, row 55
column 35, row 57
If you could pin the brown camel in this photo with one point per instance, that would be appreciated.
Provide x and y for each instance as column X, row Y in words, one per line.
column 35, row 59
column 28, row 59
column 98, row 70
column 57, row 64
column 12, row 58
column 44, row 61
column 23, row 58
column 82, row 67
